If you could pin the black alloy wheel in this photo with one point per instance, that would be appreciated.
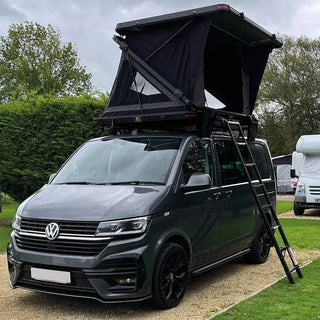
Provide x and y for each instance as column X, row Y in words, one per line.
column 170, row 276
column 260, row 248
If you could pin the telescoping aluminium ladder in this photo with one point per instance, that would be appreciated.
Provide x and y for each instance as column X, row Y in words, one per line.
column 263, row 200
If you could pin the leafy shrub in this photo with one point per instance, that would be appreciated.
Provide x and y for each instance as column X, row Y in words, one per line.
column 38, row 134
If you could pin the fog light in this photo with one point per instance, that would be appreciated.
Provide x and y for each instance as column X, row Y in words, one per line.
column 127, row 281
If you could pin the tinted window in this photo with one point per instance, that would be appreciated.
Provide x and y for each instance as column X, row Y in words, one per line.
column 262, row 159
column 198, row 160
column 231, row 168
column 230, row 165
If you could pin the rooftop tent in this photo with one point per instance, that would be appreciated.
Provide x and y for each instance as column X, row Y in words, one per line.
column 169, row 61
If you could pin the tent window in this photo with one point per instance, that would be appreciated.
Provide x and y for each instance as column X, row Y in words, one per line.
column 142, row 86
column 131, row 88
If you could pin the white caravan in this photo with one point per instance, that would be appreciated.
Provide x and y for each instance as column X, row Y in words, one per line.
column 308, row 187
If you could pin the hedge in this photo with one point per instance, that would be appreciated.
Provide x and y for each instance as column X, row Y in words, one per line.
column 38, row 134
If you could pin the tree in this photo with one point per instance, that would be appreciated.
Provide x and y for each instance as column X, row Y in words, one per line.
column 290, row 93
column 38, row 134
column 33, row 58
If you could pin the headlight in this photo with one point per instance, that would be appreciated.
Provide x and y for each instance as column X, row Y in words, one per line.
column 16, row 222
column 300, row 187
column 122, row 227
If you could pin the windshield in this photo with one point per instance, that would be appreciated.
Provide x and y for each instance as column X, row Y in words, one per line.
column 120, row 161
column 311, row 166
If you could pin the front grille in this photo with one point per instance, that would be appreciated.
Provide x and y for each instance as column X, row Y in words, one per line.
column 62, row 246
column 79, row 283
column 66, row 227
column 314, row 190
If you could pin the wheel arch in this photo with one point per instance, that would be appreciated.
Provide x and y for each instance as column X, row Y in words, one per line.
column 177, row 237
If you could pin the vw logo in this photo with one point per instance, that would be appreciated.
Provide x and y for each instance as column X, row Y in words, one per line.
column 52, row 231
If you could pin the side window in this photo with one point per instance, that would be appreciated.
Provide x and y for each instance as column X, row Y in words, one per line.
column 230, row 165
column 198, row 160
column 262, row 159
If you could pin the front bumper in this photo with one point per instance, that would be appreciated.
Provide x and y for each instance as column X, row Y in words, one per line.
column 306, row 203
column 121, row 272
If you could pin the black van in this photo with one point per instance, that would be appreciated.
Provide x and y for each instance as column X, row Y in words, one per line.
column 131, row 216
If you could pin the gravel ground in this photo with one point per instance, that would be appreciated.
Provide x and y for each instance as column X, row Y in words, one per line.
column 310, row 214
column 206, row 295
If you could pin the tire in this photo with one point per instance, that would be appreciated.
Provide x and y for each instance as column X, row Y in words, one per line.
column 260, row 248
column 297, row 210
column 170, row 276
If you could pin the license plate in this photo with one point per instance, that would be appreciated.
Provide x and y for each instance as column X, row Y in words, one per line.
column 51, row 275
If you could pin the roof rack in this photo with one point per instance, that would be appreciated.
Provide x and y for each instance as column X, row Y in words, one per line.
column 169, row 61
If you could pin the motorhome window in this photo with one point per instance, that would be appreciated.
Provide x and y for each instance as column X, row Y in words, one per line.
column 198, row 160
column 115, row 161
column 311, row 165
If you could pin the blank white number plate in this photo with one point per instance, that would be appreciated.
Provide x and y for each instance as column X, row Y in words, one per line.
column 50, row 275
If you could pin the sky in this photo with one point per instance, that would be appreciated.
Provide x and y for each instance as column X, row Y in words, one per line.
column 90, row 24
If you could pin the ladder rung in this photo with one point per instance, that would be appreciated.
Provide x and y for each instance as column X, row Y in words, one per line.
column 294, row 269
column 267, row 206
column 275, row 228
column 283, row 248
column 258, row 185
column 234, row 123
column 249, row 164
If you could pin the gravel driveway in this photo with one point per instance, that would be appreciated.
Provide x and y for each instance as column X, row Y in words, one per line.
column 206, row 295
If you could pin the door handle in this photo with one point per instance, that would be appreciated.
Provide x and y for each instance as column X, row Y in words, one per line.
column 228, row 193
column 216, row 195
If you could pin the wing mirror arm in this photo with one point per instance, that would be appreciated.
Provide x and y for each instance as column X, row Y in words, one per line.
column 293, row 174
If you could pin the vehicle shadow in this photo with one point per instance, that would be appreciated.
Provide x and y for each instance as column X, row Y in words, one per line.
column 312, row 213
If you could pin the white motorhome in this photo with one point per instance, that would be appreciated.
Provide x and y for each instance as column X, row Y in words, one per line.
column 297, row 159
column 308, row 187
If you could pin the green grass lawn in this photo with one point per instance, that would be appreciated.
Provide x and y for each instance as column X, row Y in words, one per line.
column 9, row 208
column 282, row 300
column 284, row 206
column 304, row 234
column 4, row 237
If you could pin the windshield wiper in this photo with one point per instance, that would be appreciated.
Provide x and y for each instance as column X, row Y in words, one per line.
column 136, row 182
column 74, row 182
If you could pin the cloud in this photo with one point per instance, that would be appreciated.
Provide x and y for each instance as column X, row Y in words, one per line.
column 90, row 24
column 8, row 11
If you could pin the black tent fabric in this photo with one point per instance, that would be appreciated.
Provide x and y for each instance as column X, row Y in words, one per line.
column 180, row 60
column 171, row 60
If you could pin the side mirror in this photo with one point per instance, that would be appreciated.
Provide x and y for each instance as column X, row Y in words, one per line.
column 52, row 177
column 293, row 174
column 198, row 181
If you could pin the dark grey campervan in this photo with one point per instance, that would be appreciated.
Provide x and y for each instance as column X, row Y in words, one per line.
column 131, row 216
